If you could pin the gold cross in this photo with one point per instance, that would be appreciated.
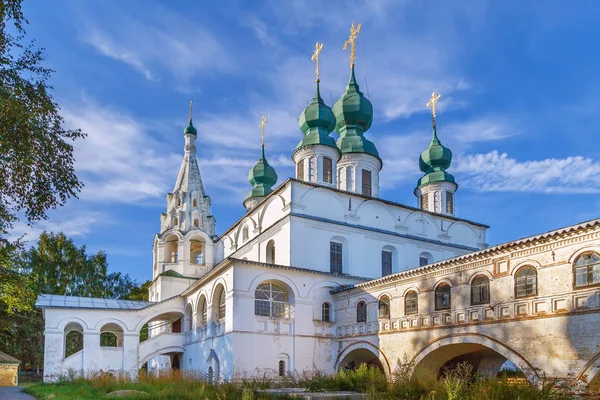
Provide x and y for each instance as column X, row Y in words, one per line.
column 354, row 31
column 263, row 122
column 191, row 101
column 435, row 97
column 315, row 57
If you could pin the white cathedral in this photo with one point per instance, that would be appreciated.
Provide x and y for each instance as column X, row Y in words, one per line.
column 321, row 273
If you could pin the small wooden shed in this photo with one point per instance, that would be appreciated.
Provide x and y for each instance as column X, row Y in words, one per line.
column 9, row 370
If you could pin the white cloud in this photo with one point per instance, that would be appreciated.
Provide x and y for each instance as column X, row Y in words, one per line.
column 78, row 224
column 496, row 171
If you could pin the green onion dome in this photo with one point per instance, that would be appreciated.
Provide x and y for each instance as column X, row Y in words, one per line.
column 354, row 115
column 317, row 122
column 262, row 177
column 434, row 161
column 189, row 129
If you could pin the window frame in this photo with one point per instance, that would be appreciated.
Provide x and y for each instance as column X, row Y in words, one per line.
column 361, row 312
column 300, row 170
column 385, row 303
column 450, row 202
column 588, row 271
column 488, row 299
column 416, row 311
column 515, row 283
column 387, row 253
column 335, row 256
column 281, row 368
column 327, row 170
column 326, row 312
column 283, row 309
column 366, row 189
column 440, row 295
column 222, row 306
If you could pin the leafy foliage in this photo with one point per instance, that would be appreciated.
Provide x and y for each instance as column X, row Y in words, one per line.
column 56, row 265
column 36, row 151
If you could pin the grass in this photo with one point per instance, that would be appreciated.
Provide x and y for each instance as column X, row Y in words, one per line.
column 458, row 383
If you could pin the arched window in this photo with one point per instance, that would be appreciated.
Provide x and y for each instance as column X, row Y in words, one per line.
column 170, row 249
column 327, row 170
column 281, row 368
column 196, row 252
column 202, row 312
column 442, row 297
column 526, row 282
column 195, row 222
column 300, row 170
column 335, row 258
column 326, row 312
column 366, row 182
column 111, row 335
column 386, row 262
column 361, row 312
column 271, row 300
column 271, row 252
column 188, row 318
column 587, row 270
column 480, row 290
column 222, row 308
column 245, row 233
column 449, row 202
column 384, row 307
column 411, row 303
column 73, row 338
column 425, row 259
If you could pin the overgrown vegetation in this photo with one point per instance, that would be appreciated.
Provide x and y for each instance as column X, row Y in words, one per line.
column 459, row 383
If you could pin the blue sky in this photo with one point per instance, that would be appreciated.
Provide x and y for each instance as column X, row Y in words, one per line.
column 519, row 108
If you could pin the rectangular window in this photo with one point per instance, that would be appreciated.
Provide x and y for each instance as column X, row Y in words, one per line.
column 449, row 203
column 366, row 182
column 425, row 201
column 300, row 170
column 327, row 170
column 386, row 263
column 335, row 263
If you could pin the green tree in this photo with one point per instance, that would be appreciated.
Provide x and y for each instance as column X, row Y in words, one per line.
column 36, row 151
column 56, row 265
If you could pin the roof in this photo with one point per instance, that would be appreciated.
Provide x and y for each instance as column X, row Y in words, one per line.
column 62, row 301
column 494, row 249
column 284, row 184
column 6, row 359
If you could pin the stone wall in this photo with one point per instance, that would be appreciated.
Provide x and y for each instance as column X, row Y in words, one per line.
column 9, row 374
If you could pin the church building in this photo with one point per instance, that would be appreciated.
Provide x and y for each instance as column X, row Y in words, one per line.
column 321, row 274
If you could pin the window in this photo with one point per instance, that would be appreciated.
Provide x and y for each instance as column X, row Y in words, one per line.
column 300, row 170
column 222, row 307
column 271, row 300
column 526, row 282
column 178, row 202
column 384, row 307
column 271, row 252
column 361, row 312
column 195, row 203
column 442, row 297
column 425, row 201
column 175, row 221
column 587, row 270
column 424, row 259
column 245, row 233
column 449, row 203
column 195, row 222
column 480, row 290
column 335, row 260
column 326, row 312
column 411, row 303
column 366, row 182
column 203, row 312
column 327, row 170
column 436, row 201
column 386, row 263
column 312, row 169
column 281, row 368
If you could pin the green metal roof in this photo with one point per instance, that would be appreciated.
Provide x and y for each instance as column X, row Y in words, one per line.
column 317, row 122
column 434, row 161
column 262, row 177
column 189, row 129
column 354, row 116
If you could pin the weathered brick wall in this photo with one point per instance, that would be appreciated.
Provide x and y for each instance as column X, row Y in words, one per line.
column 8, row 374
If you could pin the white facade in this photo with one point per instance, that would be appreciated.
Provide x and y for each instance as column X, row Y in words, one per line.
column 278, row 292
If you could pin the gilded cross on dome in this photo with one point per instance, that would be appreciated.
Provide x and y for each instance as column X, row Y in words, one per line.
column 435, row 97
column 263, row 122
column 354, row 31
column 315, row 57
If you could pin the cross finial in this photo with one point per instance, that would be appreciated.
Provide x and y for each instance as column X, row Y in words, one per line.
column 435, row 97
column 315, row 58
column 263, row 122
column 354, row 31
column 191, row 103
